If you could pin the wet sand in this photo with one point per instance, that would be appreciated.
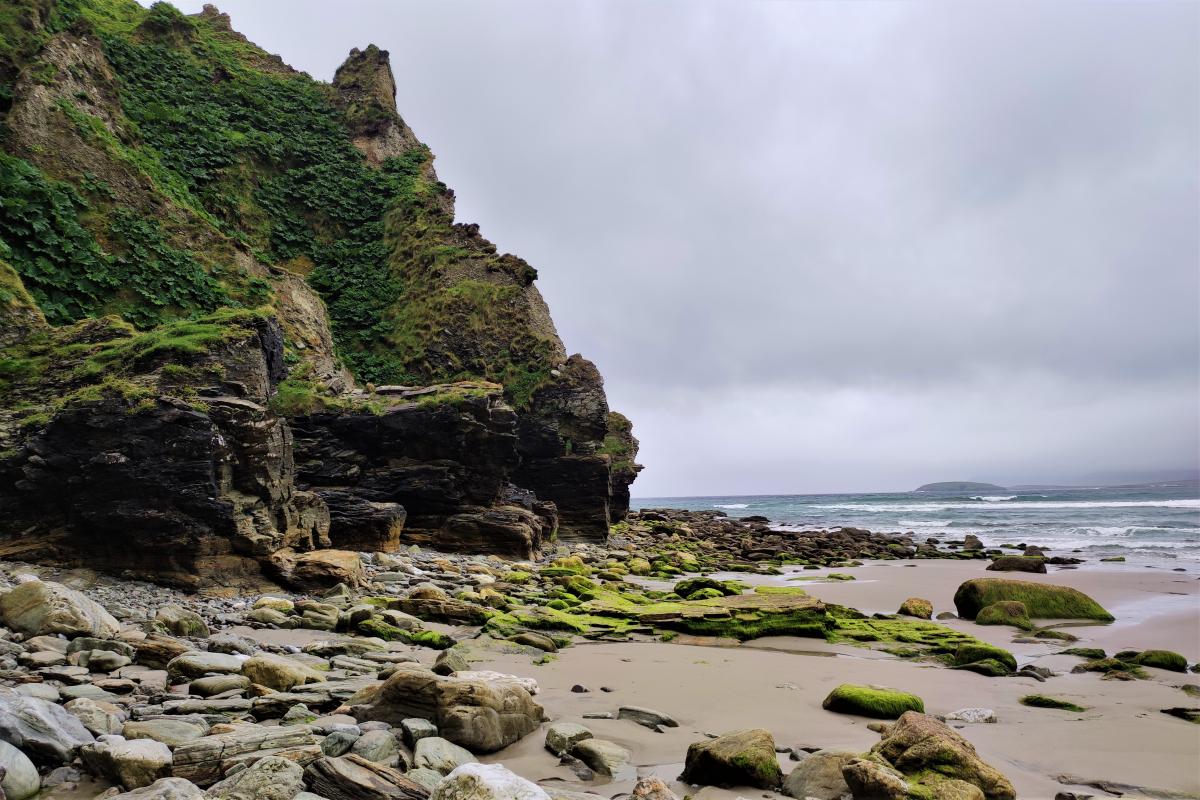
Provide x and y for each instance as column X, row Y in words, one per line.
column 778, row 683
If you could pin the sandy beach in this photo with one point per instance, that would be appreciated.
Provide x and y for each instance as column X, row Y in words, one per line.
column 778, row 683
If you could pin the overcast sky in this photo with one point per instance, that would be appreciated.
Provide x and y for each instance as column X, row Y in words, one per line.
column 829, row 247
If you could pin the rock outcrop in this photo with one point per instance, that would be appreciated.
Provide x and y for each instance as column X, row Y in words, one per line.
column 400, row 381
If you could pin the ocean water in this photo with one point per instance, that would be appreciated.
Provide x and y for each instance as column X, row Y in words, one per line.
column 1154, row 524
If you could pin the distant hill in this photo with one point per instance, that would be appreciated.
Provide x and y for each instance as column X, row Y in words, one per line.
column 960, row 486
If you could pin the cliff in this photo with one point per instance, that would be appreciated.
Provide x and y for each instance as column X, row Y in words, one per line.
column 239, row 321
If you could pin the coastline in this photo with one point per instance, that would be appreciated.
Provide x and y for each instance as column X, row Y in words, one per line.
column 712, row 686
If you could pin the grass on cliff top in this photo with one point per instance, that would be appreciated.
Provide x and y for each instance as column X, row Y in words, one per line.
column 1042, row 600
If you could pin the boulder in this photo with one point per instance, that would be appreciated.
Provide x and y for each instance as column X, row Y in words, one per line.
column 270, row 778
column 133, row 764
column 918, row 743
column 488, row 676
column 47, row 733
column 819, row 776
column 602, row 756
column 1042, row 600
column 164, row 789
column 652, row 787
column 42, row 608
column 739, row 758
column 353, row 778
column 480, row 716
column 320, row 569
column 278, row 672
column 19, row 778
column 441, row 756
column 486, row 782
column 1017, row 564
column 562, row 736
column 156, row 650
column 916, row 607
column 181, row 622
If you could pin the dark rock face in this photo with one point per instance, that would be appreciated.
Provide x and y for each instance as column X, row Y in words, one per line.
column 174, row 491
column 445, row 465
column 559, row 440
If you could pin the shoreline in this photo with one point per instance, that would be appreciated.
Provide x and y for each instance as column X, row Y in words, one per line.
column 711, row 686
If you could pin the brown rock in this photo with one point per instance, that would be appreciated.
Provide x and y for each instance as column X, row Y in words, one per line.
column 918, row 742
column 353, row 778
column 739, row 758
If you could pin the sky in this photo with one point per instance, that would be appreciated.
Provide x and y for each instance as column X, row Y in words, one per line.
column 824, row 247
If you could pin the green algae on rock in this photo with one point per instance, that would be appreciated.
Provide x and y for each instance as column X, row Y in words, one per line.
column 1005, row 612
column 867, row 701
column 738, row 758
column 916, row 607
column 1162, row 659
column 1044, row 701
column 1042, row 600
column 970, row 653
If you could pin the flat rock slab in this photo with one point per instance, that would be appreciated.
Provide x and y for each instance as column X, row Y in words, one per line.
column 354, row 778
column 200, row 761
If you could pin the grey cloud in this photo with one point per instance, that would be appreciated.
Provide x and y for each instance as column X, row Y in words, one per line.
column 822, row 246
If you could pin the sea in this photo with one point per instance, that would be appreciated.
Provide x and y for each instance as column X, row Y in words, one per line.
column 1153, row 523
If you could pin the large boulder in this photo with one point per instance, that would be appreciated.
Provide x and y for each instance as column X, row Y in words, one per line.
column 1042, row 600
column 923, row 746
column 739, row 758
column 486, row 782
column 819, row 776
column 19, row 778
column 181, row 622
column 320, row 569
column 40, row 607
column 133, row 764
column 481, row 716
column 47, row 733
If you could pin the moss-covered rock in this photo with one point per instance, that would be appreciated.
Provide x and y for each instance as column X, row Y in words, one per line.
column 686, row 589
column 1043, row 701
column 870, row 702
column 929, row 754
column 1042, row 600
column 973, row 652
column 916, row 607
column 1005, row 612
column 1161, row 659
column 739, row 758
column 1090, row 653
column 1017, row 564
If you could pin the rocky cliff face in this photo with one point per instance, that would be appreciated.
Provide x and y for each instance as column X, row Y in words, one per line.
column 238, row 320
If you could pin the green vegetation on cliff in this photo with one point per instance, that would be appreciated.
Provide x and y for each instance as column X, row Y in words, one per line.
column 211, row 156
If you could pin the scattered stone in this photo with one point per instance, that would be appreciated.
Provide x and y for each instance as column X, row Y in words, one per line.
column 972, row 715
column 415, row 728
column 200, row 761
column 651, row 787
column 646, row 717
column 164, row 789
column 198, row 663
column 819, row 776
column 170, row 731
column 278, row 672
column 1017, row 564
